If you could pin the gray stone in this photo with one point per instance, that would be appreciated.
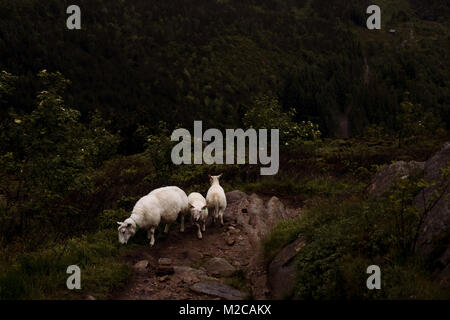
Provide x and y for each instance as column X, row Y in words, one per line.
column 141, row 265
column 188, row 274
column 434, row 239
column 281, row 270
column 219, row 267
column 434, row 164
column 235, row 195
column 218, row 289
column 388, row 176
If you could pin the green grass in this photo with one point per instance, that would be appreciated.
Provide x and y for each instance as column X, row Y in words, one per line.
column 239, row 281
column 283, row 233
column 322, row 186
column 42, row 274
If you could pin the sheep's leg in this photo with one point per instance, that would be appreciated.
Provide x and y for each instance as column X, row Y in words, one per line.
column 182, row 223
column 151, row 236
column 215, row 215
column 204, row 226
column 199, row 233
column 166, row 229
column 221, row 217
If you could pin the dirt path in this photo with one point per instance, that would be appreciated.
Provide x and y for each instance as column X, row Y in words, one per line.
column 228, row 255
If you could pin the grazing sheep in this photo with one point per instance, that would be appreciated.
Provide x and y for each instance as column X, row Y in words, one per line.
column 162, row 205
column 199, row 211
column 215, row 199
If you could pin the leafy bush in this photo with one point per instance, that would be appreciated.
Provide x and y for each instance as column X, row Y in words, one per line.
column 48, row 157
column 344, row 238
column 266, row 113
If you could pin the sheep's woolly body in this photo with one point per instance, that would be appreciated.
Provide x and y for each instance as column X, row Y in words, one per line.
column 199, row 211
column 216, row 200
column 162, row 205
column 196, row 200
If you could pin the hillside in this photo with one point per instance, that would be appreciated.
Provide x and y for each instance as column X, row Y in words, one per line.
column 210, row 60
column 86, row 118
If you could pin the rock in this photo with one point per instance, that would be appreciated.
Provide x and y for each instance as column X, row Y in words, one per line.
column 183, row 271
column 386, row 177
column 189, row 275
column 219, row 267
column 434, row 164
column 281, row 270
column 235, row 195
column 141, row 265
column 164, row 261
column 163, row 278
column 433, row 244
column 164, row 270
column 218, row 289
column 230, row 241
column 189, row 279
column 277, row 210
column 233, row 230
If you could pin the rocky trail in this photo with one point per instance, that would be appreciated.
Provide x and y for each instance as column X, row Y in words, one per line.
column 227, row 264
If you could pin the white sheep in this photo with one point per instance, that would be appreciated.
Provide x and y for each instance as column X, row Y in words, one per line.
column 162, row 205
column 199, row 212
column 215, row 198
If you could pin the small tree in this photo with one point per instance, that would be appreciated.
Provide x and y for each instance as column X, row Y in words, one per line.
column 266, row 113
column 48, row 155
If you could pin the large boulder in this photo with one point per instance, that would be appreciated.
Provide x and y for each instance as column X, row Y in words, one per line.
column 218, row 289
column 434, row 238
column 252, row 218
column 386, row 177
column 282, row 270
column 434, row 165
column 219, row 267
column 189, row 275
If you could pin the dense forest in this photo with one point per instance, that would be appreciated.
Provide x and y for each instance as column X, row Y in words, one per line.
column 86, row 115
column 210, row 59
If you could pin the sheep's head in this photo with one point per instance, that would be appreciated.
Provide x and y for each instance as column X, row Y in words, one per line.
column 214, row 179
column 127, row 229
column 196, row 212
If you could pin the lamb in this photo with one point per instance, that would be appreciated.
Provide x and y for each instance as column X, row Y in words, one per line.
column 215, row 198
column 162, row 205
column 199, row 211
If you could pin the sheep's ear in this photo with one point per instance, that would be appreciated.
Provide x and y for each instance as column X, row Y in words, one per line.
column 119, row 223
